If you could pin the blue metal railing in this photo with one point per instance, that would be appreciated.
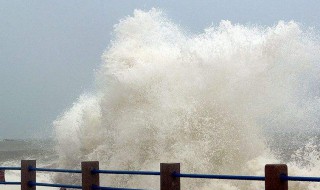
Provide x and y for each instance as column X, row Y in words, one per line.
column 155, row 173
column 10, row 168
column 299, row 178
column 94, row 171
column 113, row 188
column 31, row 183
column 10, row 182
column 210, row 176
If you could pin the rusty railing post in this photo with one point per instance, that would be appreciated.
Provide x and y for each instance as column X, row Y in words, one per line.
column 167, row 180
column 272, row 175
column 27, row 175
column 2, row 176
column 89, row 179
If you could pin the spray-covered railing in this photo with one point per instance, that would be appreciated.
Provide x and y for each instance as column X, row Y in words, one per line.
column 276, row 176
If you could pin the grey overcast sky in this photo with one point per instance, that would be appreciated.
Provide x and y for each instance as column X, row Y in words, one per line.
column 50, row 49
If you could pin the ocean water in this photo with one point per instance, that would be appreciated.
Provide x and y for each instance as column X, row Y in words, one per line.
column 225, row 101
column 26, row 149
column 13, row 151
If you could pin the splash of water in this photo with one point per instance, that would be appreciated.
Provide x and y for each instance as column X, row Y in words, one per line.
column 205, row 100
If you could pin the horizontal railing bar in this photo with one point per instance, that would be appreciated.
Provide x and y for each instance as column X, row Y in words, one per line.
column 9, row 183
column 205, row 176
column 126, row 172
column 55, row 185
column 209, row 176
column 54, row 170
column 114, row 188
column 299, row 178
column 10, row 168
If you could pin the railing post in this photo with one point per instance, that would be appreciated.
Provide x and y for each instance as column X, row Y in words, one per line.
column 89, row 179
column 2, row 176
column 167, row 180
column 272, row 177
column 27, row 175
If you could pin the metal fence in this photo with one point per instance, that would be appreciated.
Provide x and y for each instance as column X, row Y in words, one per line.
column 276, row 176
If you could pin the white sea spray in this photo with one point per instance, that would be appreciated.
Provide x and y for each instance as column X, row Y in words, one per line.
column 205, row 100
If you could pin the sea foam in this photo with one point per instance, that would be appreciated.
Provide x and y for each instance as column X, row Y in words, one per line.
column 209, row 101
